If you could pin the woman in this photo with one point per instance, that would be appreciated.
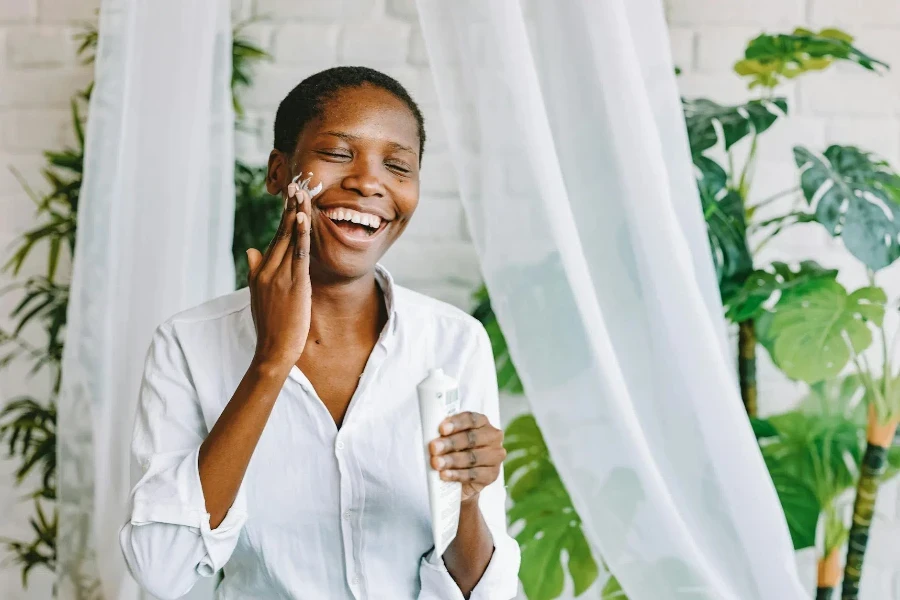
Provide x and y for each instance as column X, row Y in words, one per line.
column 278, row 427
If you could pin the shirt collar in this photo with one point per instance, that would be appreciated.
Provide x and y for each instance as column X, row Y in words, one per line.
column 388, row 288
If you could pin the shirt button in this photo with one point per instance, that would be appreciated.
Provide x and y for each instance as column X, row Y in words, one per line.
column 340, row 445
column 347, row 515
column 355, row 581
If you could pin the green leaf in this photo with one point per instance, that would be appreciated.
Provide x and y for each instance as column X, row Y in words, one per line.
column 705, row 118
column 760, row 286
column 812, row 321
column 813, row 459
column 842, row 397
column 723, row 210
column 800, row 506
column 763, row 428
column 550, row 526
column 771, row 58
column 613, row 590
column 856, row 197
column 507, row 376
column 256, row 216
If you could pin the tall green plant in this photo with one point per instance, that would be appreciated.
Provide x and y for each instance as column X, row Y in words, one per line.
column 28, row 424
column 771, row 304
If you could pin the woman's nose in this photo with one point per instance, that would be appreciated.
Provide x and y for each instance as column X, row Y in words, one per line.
column 364, row 180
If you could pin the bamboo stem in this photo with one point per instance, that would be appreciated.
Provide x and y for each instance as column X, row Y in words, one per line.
column 879, row 437
column 747, row 365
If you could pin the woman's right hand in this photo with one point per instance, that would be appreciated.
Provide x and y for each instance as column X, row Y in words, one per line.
column 280, row 292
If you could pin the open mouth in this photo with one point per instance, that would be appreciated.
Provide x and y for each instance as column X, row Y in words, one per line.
column 354, row 224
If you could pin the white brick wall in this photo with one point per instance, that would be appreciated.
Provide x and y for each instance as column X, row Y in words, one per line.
column 38, row 74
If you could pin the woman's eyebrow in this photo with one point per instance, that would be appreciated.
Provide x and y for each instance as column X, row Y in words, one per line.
column 349, row 137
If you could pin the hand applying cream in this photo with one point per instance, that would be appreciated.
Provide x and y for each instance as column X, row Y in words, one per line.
column 294, row 187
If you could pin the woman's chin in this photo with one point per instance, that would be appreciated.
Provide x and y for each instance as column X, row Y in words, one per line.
column 342, row 265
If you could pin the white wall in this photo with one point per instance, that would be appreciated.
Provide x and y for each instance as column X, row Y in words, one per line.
column 38, row 74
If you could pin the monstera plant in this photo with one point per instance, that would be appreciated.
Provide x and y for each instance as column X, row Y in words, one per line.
column 811, row 325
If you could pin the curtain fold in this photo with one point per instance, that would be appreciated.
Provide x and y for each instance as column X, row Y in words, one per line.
column 155, row 225
column 567, row 134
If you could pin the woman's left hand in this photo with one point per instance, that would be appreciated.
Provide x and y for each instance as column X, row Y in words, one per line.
column 470, row 451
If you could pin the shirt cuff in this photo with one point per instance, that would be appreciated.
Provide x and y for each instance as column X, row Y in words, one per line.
column 174, row 495
column 499, row 582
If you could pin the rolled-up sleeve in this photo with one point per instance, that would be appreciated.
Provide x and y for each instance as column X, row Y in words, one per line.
column 167, row 543
column 478, row 391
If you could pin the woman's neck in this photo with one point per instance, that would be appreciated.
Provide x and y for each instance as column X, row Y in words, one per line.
column 347, row 311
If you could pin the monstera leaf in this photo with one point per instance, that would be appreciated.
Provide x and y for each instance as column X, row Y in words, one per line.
column 812, row 459
column 613, row 590
column 800, row 506
column 726, row 227
column 507, row 376
column 856, row 197
column 761, row 285
column 814, row 327
column 550, row 525
column 771, row 58
column 704, row 117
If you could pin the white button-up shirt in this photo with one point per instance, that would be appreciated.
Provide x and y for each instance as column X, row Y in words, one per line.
column 323, row 513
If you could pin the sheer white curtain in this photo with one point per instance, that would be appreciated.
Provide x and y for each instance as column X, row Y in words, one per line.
column 575, row 172
column 154, row 237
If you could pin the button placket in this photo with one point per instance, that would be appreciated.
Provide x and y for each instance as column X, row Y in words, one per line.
column 347, row 502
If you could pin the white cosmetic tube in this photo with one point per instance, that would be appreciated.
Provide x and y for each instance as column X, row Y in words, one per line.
column 438, row 399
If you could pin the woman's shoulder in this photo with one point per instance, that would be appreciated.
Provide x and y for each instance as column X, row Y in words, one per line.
column 422, row 311
column 217, row 308
column 214, row 320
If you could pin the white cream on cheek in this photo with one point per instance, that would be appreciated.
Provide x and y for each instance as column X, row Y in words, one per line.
column 304, row 185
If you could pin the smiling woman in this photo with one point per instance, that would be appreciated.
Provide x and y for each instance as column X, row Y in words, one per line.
column 278, row 426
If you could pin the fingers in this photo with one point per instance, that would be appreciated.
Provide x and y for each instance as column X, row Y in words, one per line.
column 300, row 260
column 467, row 440
column 462, row 421
column 478, row 475
column 467, row 459
column 277, row 249
column 254, row 258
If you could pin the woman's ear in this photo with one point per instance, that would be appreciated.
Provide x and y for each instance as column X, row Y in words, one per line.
column 278, row 175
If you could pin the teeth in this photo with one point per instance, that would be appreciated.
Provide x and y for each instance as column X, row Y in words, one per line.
column 345, row 214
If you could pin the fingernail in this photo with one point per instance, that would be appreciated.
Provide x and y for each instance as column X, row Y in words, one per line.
column 439, row 446
column 441, row 463
column 292, row 189
column 446, row 428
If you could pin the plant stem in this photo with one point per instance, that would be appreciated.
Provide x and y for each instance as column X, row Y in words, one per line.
column 747, row 365
column 879, row 437
column 731, row 168
column 744, row 185
column 829, row 574
column 772, row 199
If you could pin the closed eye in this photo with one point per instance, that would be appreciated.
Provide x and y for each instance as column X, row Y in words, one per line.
column 398, row 167
column 342, row 155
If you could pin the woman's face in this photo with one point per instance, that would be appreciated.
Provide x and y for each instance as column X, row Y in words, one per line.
column 364, row 150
